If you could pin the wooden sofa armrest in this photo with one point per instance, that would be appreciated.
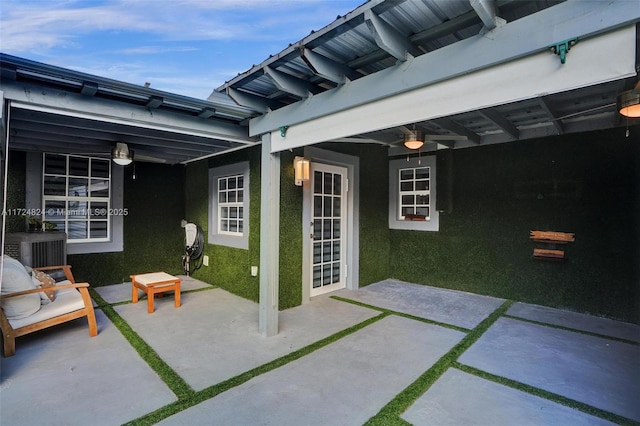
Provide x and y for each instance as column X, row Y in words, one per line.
column 65, row 268
column 41, row 289
column 9, row 334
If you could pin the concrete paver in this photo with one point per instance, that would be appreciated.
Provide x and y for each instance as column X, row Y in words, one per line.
column 458, row 398
column 118, row 293
column 61, row 376
column 214, row 335
column 458, row 308
column 590, row 323
column 600, row 372
column 344, row 383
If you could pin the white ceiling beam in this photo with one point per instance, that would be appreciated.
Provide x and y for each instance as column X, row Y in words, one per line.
column 452, row 126
column 523, row 37
column 486, row 11
column 257, row 103
column 288, row 83
column 387, row 38
column 35, row 98
column 327, row 68
column 504, row 124
column 550, row 111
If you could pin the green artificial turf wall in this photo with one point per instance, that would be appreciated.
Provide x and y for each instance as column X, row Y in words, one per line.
column 153, row 238
column 229, row 268
column 583, row 183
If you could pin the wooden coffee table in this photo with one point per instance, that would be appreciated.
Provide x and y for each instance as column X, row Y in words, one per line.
column 152, row 284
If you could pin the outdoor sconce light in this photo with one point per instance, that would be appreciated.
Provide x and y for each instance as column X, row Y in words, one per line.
column 414, row 140
column 629, row 103
column 121, row 154
column 301, row 170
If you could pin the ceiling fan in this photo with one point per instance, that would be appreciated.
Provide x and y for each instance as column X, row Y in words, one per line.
column 122, row 155
column 414, row 138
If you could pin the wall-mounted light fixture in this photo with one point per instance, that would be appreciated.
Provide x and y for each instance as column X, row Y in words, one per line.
column 414, row 139
column 301, row 170
column 121, row 154
column 629, row 103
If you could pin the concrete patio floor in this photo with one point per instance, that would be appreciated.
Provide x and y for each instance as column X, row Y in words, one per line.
column 336, row 361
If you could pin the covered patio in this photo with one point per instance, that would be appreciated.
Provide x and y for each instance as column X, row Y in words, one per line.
column 407, row 353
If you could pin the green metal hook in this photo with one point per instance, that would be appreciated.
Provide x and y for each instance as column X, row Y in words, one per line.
column 562, row 48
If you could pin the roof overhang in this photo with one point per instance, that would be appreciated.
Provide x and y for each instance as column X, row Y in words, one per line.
column 52, row 109
column 500, row 83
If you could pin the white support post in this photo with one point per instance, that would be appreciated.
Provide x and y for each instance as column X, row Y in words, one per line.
column 269, row 239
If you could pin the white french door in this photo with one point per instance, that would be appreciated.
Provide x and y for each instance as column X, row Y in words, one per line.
column 328, row 228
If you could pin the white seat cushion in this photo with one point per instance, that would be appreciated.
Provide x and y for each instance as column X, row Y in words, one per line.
column 15, row 278
column 67, row 300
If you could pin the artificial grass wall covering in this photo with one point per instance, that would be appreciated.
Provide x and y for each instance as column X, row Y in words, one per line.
column 291, row 238
column 229, row 268
column 585, row 183
column 153, row 239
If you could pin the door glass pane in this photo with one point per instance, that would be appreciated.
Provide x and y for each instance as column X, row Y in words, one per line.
column 317, row 205
column 336, row 228
column 328, row 178
column 336, row 206
column 326, row 251
column 317, row 253
column 317, row 182
column 317, row 229
column 327, row 207
column 317, row 276
column 326, row 229
column 337, row 184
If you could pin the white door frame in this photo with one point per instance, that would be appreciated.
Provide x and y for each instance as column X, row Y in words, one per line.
column 352, row 249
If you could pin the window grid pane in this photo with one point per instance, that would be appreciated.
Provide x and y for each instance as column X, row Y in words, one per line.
column 413, row 190
column 230, row 203
column 76, row 196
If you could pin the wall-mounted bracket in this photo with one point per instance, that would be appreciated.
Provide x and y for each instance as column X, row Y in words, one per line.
column 562, row 48
column 283, row 131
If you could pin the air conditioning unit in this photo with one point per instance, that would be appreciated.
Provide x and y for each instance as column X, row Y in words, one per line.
column 37, row 249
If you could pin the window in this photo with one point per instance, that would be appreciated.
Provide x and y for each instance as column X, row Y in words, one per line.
column 230, row 208
column 412, row 194
column 229, row 205
column 76, row 194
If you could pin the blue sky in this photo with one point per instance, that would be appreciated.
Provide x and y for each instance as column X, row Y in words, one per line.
column 189, row 47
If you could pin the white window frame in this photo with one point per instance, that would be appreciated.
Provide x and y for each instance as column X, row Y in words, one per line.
column 396, row 219
column 89, row 212
column 216, row 234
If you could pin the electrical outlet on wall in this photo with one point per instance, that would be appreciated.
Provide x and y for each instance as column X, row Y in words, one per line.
column 205, row 260
column 254, row 271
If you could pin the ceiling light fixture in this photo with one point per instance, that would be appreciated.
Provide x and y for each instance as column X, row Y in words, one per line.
column 121, row 154
column 414, row 139
column 629, row 103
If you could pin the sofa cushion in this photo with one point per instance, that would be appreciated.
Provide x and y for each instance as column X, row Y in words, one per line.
column 15, row 278
column 46, row 281
column 67, row 300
